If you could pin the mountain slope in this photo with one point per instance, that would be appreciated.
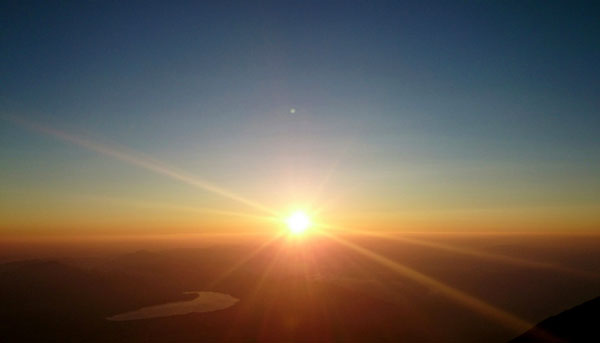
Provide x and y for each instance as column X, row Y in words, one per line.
column 579, row 324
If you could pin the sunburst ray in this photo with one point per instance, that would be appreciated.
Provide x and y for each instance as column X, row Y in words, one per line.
column 501, row 316
column 516, row 261
column 137, row 159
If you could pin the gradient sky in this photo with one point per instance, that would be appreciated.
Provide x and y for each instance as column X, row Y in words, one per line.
column 408, row 116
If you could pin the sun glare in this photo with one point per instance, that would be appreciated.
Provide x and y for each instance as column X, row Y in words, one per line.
column 298, row 222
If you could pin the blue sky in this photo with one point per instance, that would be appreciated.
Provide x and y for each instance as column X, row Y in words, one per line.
column 421, row 105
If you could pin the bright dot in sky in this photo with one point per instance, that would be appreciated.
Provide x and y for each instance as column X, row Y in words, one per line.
column 292, row 110
column 298, row 222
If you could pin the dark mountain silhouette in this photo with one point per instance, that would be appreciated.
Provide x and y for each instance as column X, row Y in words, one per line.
column 579, row 324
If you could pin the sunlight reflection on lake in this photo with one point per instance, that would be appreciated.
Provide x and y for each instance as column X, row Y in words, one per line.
column 204, row 302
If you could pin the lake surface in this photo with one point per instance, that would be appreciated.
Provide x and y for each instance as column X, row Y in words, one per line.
column 204, row 302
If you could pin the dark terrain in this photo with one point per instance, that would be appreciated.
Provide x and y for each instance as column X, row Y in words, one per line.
column 314, row 291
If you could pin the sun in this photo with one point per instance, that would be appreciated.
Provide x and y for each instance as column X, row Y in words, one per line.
column 298, row 222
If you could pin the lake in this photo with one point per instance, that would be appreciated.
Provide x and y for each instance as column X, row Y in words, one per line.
column 204, row 302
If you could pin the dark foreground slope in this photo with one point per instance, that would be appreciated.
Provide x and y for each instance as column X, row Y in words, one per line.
column 579, row 324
